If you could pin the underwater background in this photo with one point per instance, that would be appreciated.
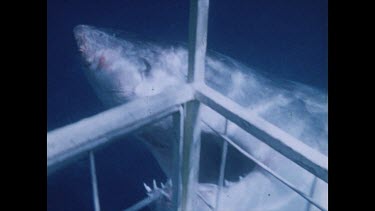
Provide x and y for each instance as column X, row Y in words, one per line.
column 284, row 38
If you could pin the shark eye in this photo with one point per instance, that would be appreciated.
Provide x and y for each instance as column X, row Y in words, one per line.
column 147, row 69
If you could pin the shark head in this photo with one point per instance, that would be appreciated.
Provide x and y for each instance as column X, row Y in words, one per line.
column 120, row 70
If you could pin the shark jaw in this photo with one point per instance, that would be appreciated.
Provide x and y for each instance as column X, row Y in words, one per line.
column 121, row 70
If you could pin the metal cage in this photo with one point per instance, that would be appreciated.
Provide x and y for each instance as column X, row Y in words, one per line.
column 66, row 144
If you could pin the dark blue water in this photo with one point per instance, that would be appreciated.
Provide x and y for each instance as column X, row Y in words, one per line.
column 283, row 37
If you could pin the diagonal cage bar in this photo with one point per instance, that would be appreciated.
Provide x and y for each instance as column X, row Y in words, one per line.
column 72, row 141
column 144, row 202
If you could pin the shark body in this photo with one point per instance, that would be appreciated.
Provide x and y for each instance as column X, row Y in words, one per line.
column 121, row 70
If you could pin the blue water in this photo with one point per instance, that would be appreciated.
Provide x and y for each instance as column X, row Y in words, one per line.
column 283, row 37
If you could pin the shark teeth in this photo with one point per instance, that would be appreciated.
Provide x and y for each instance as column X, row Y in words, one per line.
column 165, row 189
column 162, row 189
column 148, row 189
column 154, row 184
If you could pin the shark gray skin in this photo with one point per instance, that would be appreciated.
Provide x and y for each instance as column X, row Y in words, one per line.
column 122, row 69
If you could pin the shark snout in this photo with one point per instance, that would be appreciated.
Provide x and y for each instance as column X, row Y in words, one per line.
column 79, row 29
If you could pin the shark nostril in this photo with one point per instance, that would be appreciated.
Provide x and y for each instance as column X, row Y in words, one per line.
column 102, row 62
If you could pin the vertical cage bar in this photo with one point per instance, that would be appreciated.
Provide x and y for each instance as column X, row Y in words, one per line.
column 221, row 177
column 178, row 122
column 191, row 136
column 312, row 190
column 222, row 167
column 191, row 155
column 94, row 183
column 198, row 21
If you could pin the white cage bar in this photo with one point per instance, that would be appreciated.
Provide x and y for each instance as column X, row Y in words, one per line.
column 82, row 138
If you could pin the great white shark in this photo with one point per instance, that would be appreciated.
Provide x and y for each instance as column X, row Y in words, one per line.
column 121, row 69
